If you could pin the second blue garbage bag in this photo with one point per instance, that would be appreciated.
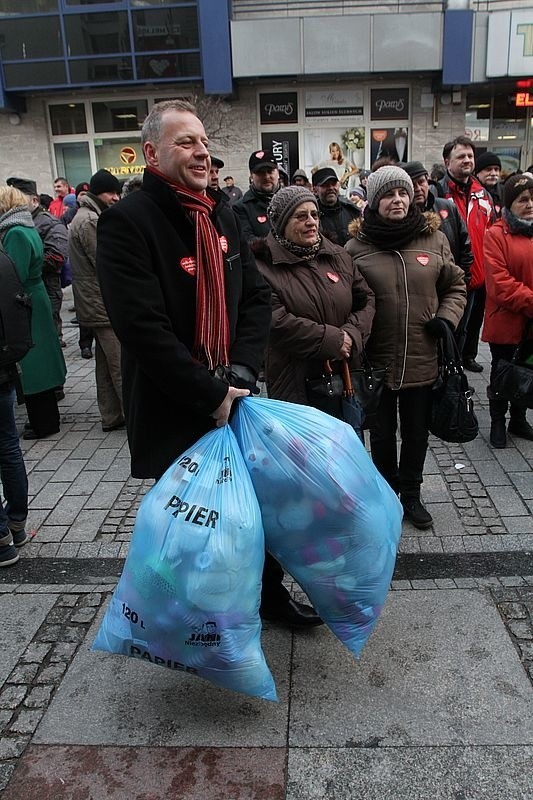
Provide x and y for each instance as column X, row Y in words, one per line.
column 330, row 518
column 188, row 598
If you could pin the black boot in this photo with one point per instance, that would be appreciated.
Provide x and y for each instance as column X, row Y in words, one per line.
column 497, row 409
column 416, row 513
column 519, row 426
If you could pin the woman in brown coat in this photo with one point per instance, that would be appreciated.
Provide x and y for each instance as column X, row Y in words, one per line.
column 322, row 308
column 419, row 290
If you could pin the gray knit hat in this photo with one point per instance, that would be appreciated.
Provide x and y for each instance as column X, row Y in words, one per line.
column 385, row 179
column 283, row 204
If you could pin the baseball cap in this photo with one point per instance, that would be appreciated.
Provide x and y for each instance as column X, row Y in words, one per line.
column 216, row 162
column 323, row 175
column 262, row 159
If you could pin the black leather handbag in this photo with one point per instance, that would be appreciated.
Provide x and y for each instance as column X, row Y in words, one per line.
column 513, row 380
column 326, row 393
column 452, row 416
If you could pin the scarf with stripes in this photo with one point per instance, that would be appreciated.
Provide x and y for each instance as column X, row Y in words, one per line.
column 211, row 337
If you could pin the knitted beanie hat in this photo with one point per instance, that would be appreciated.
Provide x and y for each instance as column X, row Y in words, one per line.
column 485, row 160
column 385, row 179
column 284, row 203
column 103, row 181
column 514, row 186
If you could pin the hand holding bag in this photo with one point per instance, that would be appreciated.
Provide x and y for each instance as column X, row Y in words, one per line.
column 452, row 416
column 513, row 380
column 366, row 384
column 334, row 395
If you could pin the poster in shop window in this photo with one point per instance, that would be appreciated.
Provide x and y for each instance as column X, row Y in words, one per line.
column 340, row 148
column 284, row 145
column 389, row 143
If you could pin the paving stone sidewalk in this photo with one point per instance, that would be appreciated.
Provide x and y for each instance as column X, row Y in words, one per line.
column 439, row 707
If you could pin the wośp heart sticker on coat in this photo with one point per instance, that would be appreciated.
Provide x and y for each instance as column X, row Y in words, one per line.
column 423, row 259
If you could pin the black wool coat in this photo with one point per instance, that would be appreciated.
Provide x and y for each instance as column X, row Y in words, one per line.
column 145, row 247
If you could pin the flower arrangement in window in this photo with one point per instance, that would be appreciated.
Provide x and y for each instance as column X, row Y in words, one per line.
column 354, row 139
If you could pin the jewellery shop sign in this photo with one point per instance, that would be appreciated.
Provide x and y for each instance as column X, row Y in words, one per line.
column 389, row 104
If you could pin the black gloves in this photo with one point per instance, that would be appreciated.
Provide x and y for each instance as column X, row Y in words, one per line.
column 242, row 378
column 438, row 326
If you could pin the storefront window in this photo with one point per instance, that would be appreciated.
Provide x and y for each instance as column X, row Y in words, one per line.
column 95, row 34
column 508, row 121
column 30, row 38
column 169, row 65
column 46, row 73
column 67, row 119
column 121, row 157
column 119, row 115
column 26, row 6
column 73, row 161
column 168, row 29
column 101, row 70
column 477, row 117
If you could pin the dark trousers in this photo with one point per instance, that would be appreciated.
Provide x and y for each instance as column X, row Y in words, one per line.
column 52, row 282
column 497, row 406
column 14, row 506
column 86, row 337
column 43, row 413
column 413, row 405
column 474, row 322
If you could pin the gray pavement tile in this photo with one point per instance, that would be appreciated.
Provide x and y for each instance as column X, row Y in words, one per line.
column 478, row 450
column 454, row 544
column 439, row 670
column 519, row 524
column 491, row 473
column 119, row 470
column 69, row 470
column 86, row 526
column 408, row 544
column 446, row 519
column 86, row 483
column 511, row 460
column 86, row 448
column 104, row 495
column 121, row 701
column 66, row 511
column 426, row 773
column 50, row 533
column 524, row 483
column 71, row 440
column 37, row 481
column 52, row 460
column 435, row 489
column 507, row 501
column 21, row 617
column 103, row 458
column 49, row 496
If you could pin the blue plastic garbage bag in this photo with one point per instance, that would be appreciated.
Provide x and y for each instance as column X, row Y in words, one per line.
column 329, row 517
column 188, row 597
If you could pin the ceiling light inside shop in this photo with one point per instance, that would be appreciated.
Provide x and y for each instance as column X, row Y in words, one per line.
column 480, row 105
column 125, row 116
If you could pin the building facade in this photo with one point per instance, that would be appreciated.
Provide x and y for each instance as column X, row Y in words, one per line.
column 394, row 77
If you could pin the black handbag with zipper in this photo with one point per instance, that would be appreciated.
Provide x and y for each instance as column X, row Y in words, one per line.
column 452, row 416
column 513, row 380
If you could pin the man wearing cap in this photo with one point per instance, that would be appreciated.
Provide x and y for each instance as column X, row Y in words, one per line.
column 488, row 172
column 335, row 211
column 188, row 304
column 475, row 206
column 55, row 243
column 451, row 224
column 252, row 209
column 233, row 192
column 104, row 191
column 216, row 166
column 299, row 178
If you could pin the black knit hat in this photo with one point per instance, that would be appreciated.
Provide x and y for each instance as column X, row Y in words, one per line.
column 415, row 169
column 514, row 186
column 485, row 160
column 283, row 204
column 81, row 187
column 103, row 181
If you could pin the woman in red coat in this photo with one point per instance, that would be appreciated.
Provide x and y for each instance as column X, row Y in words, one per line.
column 509, row 305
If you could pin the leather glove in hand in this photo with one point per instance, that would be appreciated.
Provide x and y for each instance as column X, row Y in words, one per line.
column 437, row 327
column 243, row 378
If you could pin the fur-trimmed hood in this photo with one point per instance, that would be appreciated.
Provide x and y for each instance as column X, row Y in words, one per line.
column 432, row 224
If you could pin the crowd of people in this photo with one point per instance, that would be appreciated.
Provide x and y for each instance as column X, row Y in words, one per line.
column 188, row 292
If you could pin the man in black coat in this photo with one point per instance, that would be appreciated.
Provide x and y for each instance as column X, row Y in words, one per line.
column 182, row 344
column 264, row 182
column 335, row 212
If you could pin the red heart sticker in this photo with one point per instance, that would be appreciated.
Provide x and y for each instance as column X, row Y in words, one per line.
column 333, row 277
column 261, row 219
column 423, row 259
column 224, row 244
column 189, row 265
column 443, row 213
column 260, row 154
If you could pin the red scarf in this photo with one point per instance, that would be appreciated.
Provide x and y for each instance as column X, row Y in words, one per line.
column 211, row 337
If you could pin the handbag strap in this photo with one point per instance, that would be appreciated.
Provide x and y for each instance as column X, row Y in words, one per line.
column 450, row 355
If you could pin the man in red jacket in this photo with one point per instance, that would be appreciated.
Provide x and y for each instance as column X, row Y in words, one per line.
column 61, row 189
column 475, row 207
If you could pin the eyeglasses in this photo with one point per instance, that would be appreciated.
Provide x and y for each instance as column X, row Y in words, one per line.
column 302, row 216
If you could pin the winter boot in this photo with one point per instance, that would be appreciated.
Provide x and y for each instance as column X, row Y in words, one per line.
column 416, row 513
column 497, row 409
column 519, row 426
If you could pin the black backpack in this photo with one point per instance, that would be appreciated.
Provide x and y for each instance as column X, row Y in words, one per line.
column 15, row 314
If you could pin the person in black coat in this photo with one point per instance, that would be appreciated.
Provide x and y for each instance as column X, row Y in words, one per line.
column 187, row 351
column 335, row 212
column 264, row 182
